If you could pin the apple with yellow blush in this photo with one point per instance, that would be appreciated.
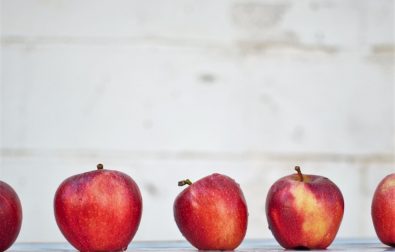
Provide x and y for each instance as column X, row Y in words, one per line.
column 304, row 211
column 383, row 210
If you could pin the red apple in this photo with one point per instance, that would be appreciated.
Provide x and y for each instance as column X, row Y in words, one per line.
column 10, row 216
column 98, row 210
column 383, row 210
column 304, row 211
column 212, row 213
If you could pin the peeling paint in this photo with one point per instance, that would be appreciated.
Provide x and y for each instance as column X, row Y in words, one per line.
column 383, row 49
column 207, row 78
column 151, row 189
column 383, row 56
column 252, row 15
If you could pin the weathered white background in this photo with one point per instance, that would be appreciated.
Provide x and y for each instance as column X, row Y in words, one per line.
column 165, row 90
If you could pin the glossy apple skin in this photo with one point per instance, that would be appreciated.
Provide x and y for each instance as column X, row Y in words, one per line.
column 304, row 215
column 98, row 210
column 10, row 216
column 383, row 210
column 212, row 213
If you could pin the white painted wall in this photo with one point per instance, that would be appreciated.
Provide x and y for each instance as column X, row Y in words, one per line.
column 165, row 90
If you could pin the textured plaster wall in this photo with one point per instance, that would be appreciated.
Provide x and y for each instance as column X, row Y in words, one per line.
column 165, row 90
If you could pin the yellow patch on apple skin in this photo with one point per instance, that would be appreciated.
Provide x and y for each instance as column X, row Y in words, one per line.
column 388, row 184
column 315, row 221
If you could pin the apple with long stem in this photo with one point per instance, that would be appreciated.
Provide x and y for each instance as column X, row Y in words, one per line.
column 10, row 216
column 98, row 210
column 304, row 211
column 212, row 213
column 383, row 210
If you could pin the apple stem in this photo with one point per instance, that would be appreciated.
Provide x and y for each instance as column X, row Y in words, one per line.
column 99, row 167
column 184, row 182
column 297, row 168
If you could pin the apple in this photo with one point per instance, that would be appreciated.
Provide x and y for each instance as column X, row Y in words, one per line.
column 98, row 210
column 10, row 216
column 304, row 211
column 212, row 213
column 383, row 210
